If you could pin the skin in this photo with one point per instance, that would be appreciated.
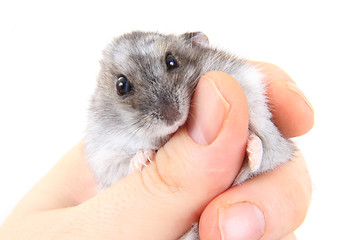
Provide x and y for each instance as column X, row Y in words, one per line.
column 188, row 179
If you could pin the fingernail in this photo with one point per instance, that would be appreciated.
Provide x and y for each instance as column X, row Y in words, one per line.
column 292, row 86
column 241, row 221
column 208, row 112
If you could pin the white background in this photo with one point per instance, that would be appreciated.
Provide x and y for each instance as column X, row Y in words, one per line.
column 49, row 56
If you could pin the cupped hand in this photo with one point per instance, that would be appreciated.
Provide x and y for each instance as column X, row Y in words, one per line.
column 189, row 179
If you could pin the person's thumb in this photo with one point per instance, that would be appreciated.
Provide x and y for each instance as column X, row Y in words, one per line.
column 198, row 163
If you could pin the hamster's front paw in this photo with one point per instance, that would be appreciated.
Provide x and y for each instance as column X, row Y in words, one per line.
column 252, row 163
column 254, row 150
column 141, row 159
column 192, row 234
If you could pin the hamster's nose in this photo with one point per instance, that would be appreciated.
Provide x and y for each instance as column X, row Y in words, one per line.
column 170, row 114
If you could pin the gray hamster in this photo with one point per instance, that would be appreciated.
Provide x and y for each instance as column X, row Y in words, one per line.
column 143, row 95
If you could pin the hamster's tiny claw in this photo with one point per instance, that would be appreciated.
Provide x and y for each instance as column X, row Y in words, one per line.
column 254, row 151
column 141, row 159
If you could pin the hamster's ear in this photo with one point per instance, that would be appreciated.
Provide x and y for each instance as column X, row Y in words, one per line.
column 196, row 38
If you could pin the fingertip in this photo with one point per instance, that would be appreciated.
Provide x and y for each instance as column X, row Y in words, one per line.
column 200, row 129
column 244, row 214
column 235, row 96
column 292, row 112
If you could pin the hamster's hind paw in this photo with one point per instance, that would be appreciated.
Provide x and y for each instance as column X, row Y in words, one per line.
column 254, row 150
column 141, row 159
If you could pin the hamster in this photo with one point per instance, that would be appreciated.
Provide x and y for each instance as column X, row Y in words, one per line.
column 143, row 95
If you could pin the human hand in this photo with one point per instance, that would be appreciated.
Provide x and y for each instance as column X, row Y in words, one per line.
column 165, row 198
column 282, row 195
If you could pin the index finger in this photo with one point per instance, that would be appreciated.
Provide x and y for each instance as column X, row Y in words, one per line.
column 292, row 112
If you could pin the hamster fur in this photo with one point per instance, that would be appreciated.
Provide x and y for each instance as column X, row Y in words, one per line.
column 161, row 73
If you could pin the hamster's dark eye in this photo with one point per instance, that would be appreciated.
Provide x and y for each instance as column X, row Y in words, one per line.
column 123, row 85
column 171, row 62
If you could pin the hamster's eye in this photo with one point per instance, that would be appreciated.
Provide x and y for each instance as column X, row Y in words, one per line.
column 123, row 85
column 171, row 62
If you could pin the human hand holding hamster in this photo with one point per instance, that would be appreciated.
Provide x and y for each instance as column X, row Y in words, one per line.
column 175, row 190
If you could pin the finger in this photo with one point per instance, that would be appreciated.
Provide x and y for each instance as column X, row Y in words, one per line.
column 199, row 162
column 270, row 206
column 292, row 112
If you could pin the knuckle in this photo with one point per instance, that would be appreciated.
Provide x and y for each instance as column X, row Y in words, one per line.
column 156, row 178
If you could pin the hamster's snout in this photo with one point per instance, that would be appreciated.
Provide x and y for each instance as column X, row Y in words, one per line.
column 170, row 114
